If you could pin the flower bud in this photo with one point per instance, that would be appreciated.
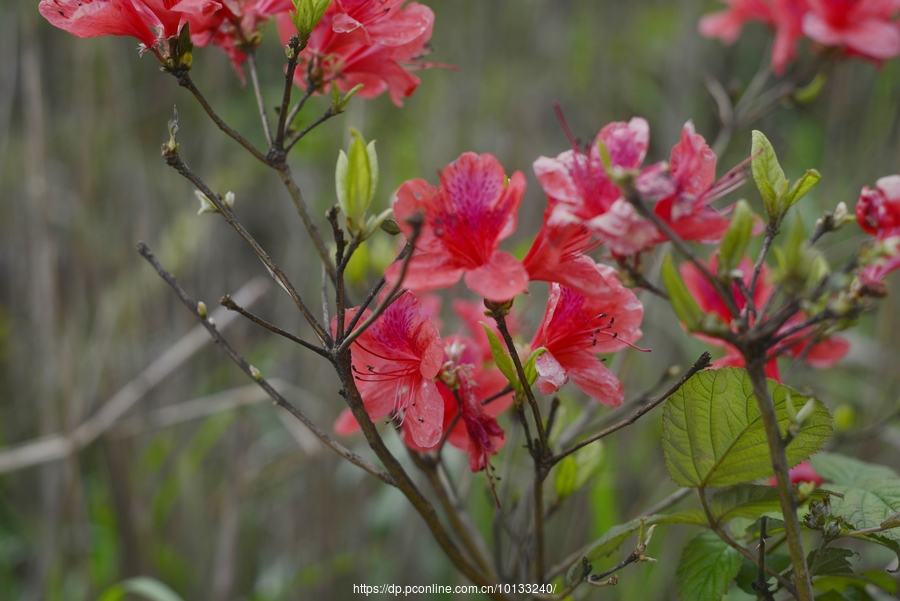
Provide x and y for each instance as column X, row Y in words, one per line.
column 355, row 178
column 206, row 205
column 255, row 373
column 201, row 310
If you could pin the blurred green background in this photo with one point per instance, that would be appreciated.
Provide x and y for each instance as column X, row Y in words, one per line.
column 225, row 498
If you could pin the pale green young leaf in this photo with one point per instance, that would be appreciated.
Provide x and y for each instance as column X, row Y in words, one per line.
column 734, row 243
column 767, row 173
column 529, row 366
column 713, row 435
column 501, row 357
column 801, row 187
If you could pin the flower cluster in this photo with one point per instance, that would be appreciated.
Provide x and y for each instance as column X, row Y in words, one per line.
column 458, row 227
column 582, row 191
column 878, row 213
column 866, row 28
column 375, row 43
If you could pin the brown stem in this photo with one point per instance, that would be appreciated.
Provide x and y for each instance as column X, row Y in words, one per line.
column 300, row 203
column 467, row 534
column 227, row 302
column 174, row 161
column 539, row 522
column 322, row 119
column 185, row 81
column 499, row 316
column 347, row 454
column 702, row 362
column 293, row 45
column 402, row 481
column 756, row 368
column 351, row 335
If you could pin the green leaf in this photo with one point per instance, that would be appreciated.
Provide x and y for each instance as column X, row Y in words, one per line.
column 767, row 173
column 613, row 538
column 501, row 357
column 833, row 562
column 149, row 588
column 842, row 469
column 713, row 434
column 869, row 504
column 707, row 566
column 686, row 308
column 803, row 185
column 749, row 501
column 734, row 243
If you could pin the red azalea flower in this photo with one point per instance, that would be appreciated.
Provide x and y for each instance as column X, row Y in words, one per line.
column 466, row 217
column 692, row 168
column 464, row 386
column 371, row 42
column 395, row 362
column 682, row 190
column 230, row 28
column 802, row 472
column 727, row 24
column 878, row 212
column 150, row 21
column 785, row 16
column 824, row 353
column 558, row 255
column 575, row 327
column 863, row 27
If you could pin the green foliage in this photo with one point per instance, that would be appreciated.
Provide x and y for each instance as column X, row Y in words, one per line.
column 501, row 358
column 737, row 237
column 748, row 501
column 355, row 181
column 768, row 174
column 707, row 566
column 574, row 471
column 682, row 300
column 613, row 538
column 148, row 588
column 771, row 182
column 305, row 16
column 713, row 434
column 871, row 492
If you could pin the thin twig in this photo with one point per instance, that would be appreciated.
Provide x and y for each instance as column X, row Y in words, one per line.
column 632, row 196
column 328, row 114
column 174, row 161
column 760, row 585
column 293, row 46
column 352, row 334
column 185, row 81
column 293, row 189
column 260, row 103
column 251, row 371
column 740, row 548
column 498, row 312
column 704, row 361
column 227, row 302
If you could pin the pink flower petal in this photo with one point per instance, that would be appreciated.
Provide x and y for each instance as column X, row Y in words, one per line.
column 426, row 271
column 346, row 423
column 551, row 375
column 425, row 415
column 590, row 375
column 502, row 279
